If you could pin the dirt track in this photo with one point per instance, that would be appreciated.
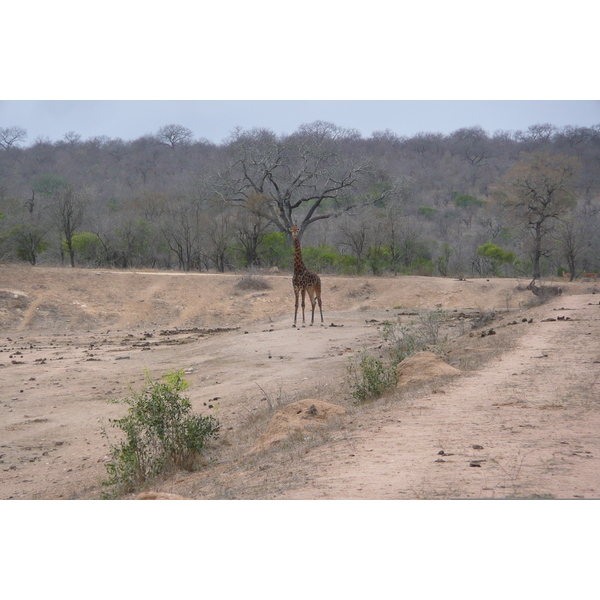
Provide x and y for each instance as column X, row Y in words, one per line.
column 525, row 426
column 71, row 339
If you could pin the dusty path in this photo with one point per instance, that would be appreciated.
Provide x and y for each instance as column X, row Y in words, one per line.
column 531, row 421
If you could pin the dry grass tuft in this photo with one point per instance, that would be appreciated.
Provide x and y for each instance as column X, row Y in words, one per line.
column 362, row 291
column 253, row 283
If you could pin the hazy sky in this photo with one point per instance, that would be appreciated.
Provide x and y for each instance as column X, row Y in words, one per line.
column 407, row 68
column 214, row 120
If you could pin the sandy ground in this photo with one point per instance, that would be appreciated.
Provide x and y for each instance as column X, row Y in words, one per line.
column 522, row 421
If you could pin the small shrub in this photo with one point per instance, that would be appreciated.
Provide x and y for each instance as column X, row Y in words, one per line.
column 161, row 432
column 252, row 282
column 364, row 290
column 543, row 293
column 369, row 378
column 424, row 332
column 483, row 319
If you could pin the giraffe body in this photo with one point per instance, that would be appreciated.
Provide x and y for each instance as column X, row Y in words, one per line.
column 305, row 282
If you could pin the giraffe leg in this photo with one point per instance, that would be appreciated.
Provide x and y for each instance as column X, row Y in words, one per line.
column 311, row 295
column 303, row 304
column 295, row 308
column 317, row 291
column 320, row 308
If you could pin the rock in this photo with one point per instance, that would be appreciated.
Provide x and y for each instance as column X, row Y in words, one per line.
column 422, row 367
column 295, row 418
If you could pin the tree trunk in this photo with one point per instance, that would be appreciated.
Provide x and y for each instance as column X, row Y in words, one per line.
column 537, row 251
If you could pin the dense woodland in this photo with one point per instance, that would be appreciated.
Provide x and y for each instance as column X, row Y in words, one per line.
column 523, row 203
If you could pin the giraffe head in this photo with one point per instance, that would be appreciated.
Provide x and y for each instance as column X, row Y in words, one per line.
column 294, row 231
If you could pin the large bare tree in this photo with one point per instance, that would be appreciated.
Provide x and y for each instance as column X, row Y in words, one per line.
column 9, row 136
column 538, row 191
column 174, row 135
column 301, row 178
column 182, row 231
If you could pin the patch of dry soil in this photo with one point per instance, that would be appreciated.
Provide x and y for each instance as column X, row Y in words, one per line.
column 524, row 425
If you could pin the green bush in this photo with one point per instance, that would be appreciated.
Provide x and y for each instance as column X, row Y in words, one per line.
column 490, row 257
column 87, row 246
column 160, row 433
column 276, row 251
column 422, row 266
column 322, row 258
column 467, row 201
column 369, row 377
column 379, row 259
column 427, row 211
column 349, row 264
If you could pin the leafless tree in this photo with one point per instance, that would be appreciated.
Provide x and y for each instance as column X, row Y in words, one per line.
column 538, row 192
column 575, row 234
column 354, row 236
column 251, row 226
column 306, row 176
column 67, row 209
column 472, row 144
column 9, row 136
column 174, row 135
column 220, row 234
column 388, row 225
column 71, row 137
column 410, row 240
column 182, row 232
column 542, row 132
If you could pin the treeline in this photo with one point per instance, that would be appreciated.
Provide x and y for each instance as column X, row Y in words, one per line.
column 468, row 203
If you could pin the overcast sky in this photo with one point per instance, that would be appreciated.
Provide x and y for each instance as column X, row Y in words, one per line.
column 215, row 120
column 262, row 64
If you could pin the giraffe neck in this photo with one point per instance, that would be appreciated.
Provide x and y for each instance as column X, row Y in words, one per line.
column 298, row 262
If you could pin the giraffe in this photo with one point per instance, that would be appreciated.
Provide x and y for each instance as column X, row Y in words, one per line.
column 305, row 281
